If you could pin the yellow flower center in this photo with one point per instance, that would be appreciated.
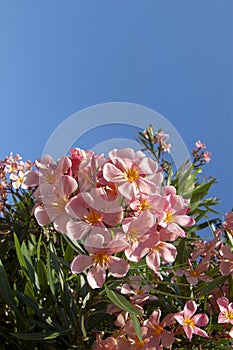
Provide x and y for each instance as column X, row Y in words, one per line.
column 101, row 259
column 132, row 174
column 94, row 217
column 169, row 218
column 188, row 322
column 139, row 342
column 144, row 205
column 157, row 329
column 158, row 246
column 194, row 273
column 132, row 235
column 229, row 315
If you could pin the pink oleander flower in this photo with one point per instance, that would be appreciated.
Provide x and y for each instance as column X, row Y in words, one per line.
column 132, row 172
column 136, row 233
column 154, row 203
column 100, row 260
column 226, row 312
column 189, row 321
column 206, row 249
column 49, row 172
column 77, row 155
column 226, row 264
column 228, row 224
column 193, row 275
column 138, row 290
column 206, row 156
column 199, row 144
column 109, row 343
column 53, row 200
column 159, row 249
column 18, row 180
column 156, row 330
column 134, row 342
column 92, row 214
column 173, row 216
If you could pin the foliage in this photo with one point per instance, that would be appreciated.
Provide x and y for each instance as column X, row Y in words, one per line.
column 48, row 302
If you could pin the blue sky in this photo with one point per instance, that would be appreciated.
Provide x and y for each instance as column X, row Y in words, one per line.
column 58, row 57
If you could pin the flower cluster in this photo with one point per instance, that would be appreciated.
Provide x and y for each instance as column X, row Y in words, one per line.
column 111, row 204
column 12, row 175
column 135, row 232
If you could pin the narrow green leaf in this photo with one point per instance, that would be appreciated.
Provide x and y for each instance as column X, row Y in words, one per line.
column 6, row 293
column 120, row 301
column 39, row 336
column 136, row 325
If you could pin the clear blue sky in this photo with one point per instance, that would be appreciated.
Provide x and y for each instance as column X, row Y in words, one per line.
column 176, row 57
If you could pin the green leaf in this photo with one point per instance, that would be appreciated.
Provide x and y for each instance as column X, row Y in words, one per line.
column 120, row 301
column 39, row 336
column 136, row 325
column 6, row 293
column 42, row 276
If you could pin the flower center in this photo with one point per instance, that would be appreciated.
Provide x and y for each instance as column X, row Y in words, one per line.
column 139, row 342
column 144, row 205
column 101, row 259
column 132, row 174
column 194, row 273
column 188, row 322
column 132, row 235
column 169, row 218
column 229, row 315
column 157, row 329
column 93, row 218
column 158, row 247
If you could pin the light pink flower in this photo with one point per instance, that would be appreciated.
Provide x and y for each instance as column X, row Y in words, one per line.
column 226, row 264
column 154, row 203
column 18, row 180
column 174, row 215
column 159, row 249
column 138, row 290
column 206, row 156
column 135, row 342
column 77, row 155
column 206, row 249
column 53, row 202
column 190, row 322
column 199, row 144
column 109, row 343
column 228, row 224
column 92, row 214
column 226, row 312
column 136, row 233
column 156, row 329
column 193, row 275
column 132, row 172
column 100, row 260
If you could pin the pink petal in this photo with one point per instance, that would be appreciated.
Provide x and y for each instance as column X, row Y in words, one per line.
column 223, row 304
column 231, row 332
column 77, row 207
column 199, row 332
column 118, row 267
column 184, row 220
column 179, row 317
column 113, row 217
column 155, row 317
column 190, row 308
column 200, row 320
column 192, row 280
column 77, row 229
column 167, row 338
column 153, row 261
column 128, row 190
column 96, row 277
column 31, row 178
column 168, row 252
column 226, row 267
column 41, row 216
column 81, row 263
column 66, row 185
column 112, row 174
column 60, row 222
column 189, row 331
